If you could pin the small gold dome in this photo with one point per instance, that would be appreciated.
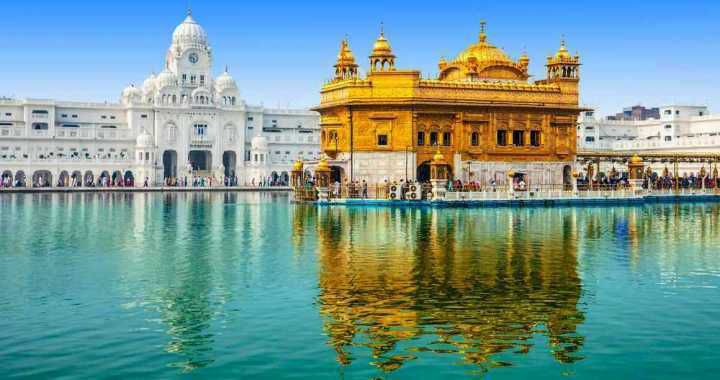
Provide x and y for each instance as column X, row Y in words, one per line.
column 323, row 166
column 438, row 157
column 524, row 59
column 636, row 159
column 381, row 46
column 345, row 55
column 563, row 52
column 298, row 166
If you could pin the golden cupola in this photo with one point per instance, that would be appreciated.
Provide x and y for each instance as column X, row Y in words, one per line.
column 345, row 67
column 563, row 65
column 524, row 61
column 382, row 57
column 482, row 61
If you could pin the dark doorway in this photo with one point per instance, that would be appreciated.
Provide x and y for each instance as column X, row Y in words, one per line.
column 423, row 172
column 200, row 160
column 170, row 164
column 336, row 174
column 229, row 162
column 567, row 177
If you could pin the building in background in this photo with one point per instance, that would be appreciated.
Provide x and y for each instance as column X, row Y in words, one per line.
column 637, row 113
column 677, row 129
column 182, row 122
column 481, row 113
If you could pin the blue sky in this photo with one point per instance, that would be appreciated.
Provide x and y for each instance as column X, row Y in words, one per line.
column 280, row 52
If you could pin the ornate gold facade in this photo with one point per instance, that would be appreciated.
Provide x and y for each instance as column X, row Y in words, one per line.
column 480, row 108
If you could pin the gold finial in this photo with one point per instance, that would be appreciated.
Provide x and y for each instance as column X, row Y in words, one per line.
column 483, row 36
column 382, row 29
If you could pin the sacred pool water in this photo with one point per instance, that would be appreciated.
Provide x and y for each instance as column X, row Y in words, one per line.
column 250, row 286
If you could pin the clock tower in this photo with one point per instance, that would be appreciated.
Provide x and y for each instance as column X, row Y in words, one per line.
column 190, row 56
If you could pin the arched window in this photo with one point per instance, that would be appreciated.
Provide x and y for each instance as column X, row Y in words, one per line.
column 230, row 133
column 475, row 139
column 171, row 133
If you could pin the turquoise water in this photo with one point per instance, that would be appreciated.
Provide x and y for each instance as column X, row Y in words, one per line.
column 251, row 286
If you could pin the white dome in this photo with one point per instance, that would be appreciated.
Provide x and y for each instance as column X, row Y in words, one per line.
column 131, row 94
column 149, row 84
column 189, row 32
column 225, row 82
column 259, row 143
column 144, row 140
column 165, row 79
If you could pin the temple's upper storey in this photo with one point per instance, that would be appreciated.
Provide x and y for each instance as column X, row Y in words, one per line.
column 482, row 73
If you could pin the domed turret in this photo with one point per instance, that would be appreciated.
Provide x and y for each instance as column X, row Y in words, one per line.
column 149, row 85
column 189, row 32
column 131, row 94
column 166, row 79
column 259, row 143
column 225, row 82
column 563, row 52
column 298, row 166
column 144, row 140
column 382, row 57
column 563, row 66
column 345, row 67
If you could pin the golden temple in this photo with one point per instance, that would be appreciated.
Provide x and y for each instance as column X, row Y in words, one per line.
column 481, row 112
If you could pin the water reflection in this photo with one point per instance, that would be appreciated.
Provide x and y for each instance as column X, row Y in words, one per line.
column 405, row 283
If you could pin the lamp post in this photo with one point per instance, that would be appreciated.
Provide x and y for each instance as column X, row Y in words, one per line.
column 406, row 162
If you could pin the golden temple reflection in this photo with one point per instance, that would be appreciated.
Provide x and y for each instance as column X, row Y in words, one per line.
column 471, row 285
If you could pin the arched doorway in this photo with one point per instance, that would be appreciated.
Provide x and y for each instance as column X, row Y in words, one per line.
column 200, row 160
column 20, row 179
column 129, row 178
column 567, row 177
column 169, row 164
column 6, row 179
column 64, row 179
column 104, row 179
column 336, row 174
column 76, row 179
column 285, row 178
column 229, row 162
column 117, row 178
column 423, row 172
column 89, row 179
column 274, row 178
column 42, row 178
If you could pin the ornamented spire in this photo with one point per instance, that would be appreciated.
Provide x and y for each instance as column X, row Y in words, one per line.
column 382, row 57
column 483, row 36
column 345, row 67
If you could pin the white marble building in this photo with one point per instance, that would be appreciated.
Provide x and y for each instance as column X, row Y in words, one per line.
column 182, row 122
column 681, row 129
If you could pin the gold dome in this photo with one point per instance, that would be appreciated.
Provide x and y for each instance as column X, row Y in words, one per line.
column 563, row 52
column 484, row 52
column 636, row 159
column 524, row 59
column 298, row 166
column 322, row 166
column 438, row 157
column 345, row 55
column 381, row 46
